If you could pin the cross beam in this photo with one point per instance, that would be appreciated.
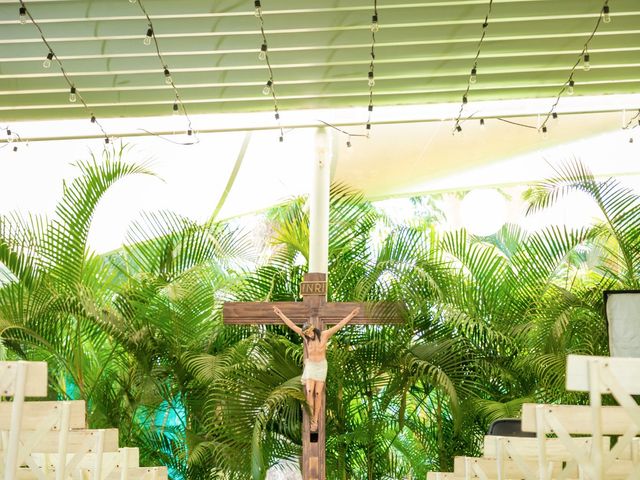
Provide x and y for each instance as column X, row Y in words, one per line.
column 315, row 309
column 261, row 313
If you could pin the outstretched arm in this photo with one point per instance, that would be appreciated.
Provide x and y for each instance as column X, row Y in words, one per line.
column 330, row 331
column 286, row 320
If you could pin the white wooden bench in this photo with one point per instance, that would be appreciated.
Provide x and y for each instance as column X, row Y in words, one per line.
column 45, row 440
column 596, row 375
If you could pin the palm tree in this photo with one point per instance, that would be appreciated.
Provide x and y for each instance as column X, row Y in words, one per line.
column 138, row 333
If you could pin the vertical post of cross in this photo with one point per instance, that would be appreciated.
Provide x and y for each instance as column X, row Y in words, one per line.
column 313, row 444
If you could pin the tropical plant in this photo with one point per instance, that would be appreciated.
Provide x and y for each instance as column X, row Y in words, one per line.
column 487, row 324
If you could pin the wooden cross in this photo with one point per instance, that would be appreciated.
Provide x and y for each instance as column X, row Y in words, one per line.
column 315, row 309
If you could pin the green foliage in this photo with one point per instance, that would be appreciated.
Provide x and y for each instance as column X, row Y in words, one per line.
column 487, row 324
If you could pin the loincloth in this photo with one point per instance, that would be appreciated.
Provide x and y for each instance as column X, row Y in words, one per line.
column 314, row 371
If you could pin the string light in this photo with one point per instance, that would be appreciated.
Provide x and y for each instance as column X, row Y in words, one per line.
column 606, row 17
column 22, row 15
column 12, row 139
column 375, row 26
column 545, row 132
column 555, row 115
column 583, row 58
column 74, row 96
column 473, row 77
column 482, row 122
column 263, row 52
column 167, row 76
column 263, row 55
column 148, row 37
column 47, row 61
column 178, row 104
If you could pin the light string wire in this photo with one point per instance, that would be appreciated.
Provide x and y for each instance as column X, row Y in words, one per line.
column 633, row 120
column 344, row 132
column 66, row 76
column 270, row 86
column 474, row 69
column 151, row 32
column 570, row 81
column 371, row 74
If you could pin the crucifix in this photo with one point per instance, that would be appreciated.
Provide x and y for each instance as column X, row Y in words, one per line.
column 314, row 309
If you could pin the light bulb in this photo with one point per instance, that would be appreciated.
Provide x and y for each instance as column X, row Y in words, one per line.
column 473, row 78
column 167, row 77
column 349, row 143
column 267, row 88
column 570, row 89
column 93, row 119
column 72, row 95
column 258, row 10
column 464, row 99
column 370, row 107
column 47, row 61
column 554, row 115
column 545, row 133
column 586, row 65
column 372, row 81
column 606, row 17
column 189, row 132
column 263, row 52
column 148, row 36
column 368, row 126
column 482, row 122
column 277, row 115
column 15, row 148
column 281, row 139
column 106, row 140
column 375, row 26
column 23, row 15
column 175, row 108
column 458, row 128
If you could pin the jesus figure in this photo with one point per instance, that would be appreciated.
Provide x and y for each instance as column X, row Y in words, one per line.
column 315, row 363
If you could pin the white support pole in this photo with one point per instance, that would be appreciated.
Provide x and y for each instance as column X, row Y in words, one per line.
column 319, row 204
